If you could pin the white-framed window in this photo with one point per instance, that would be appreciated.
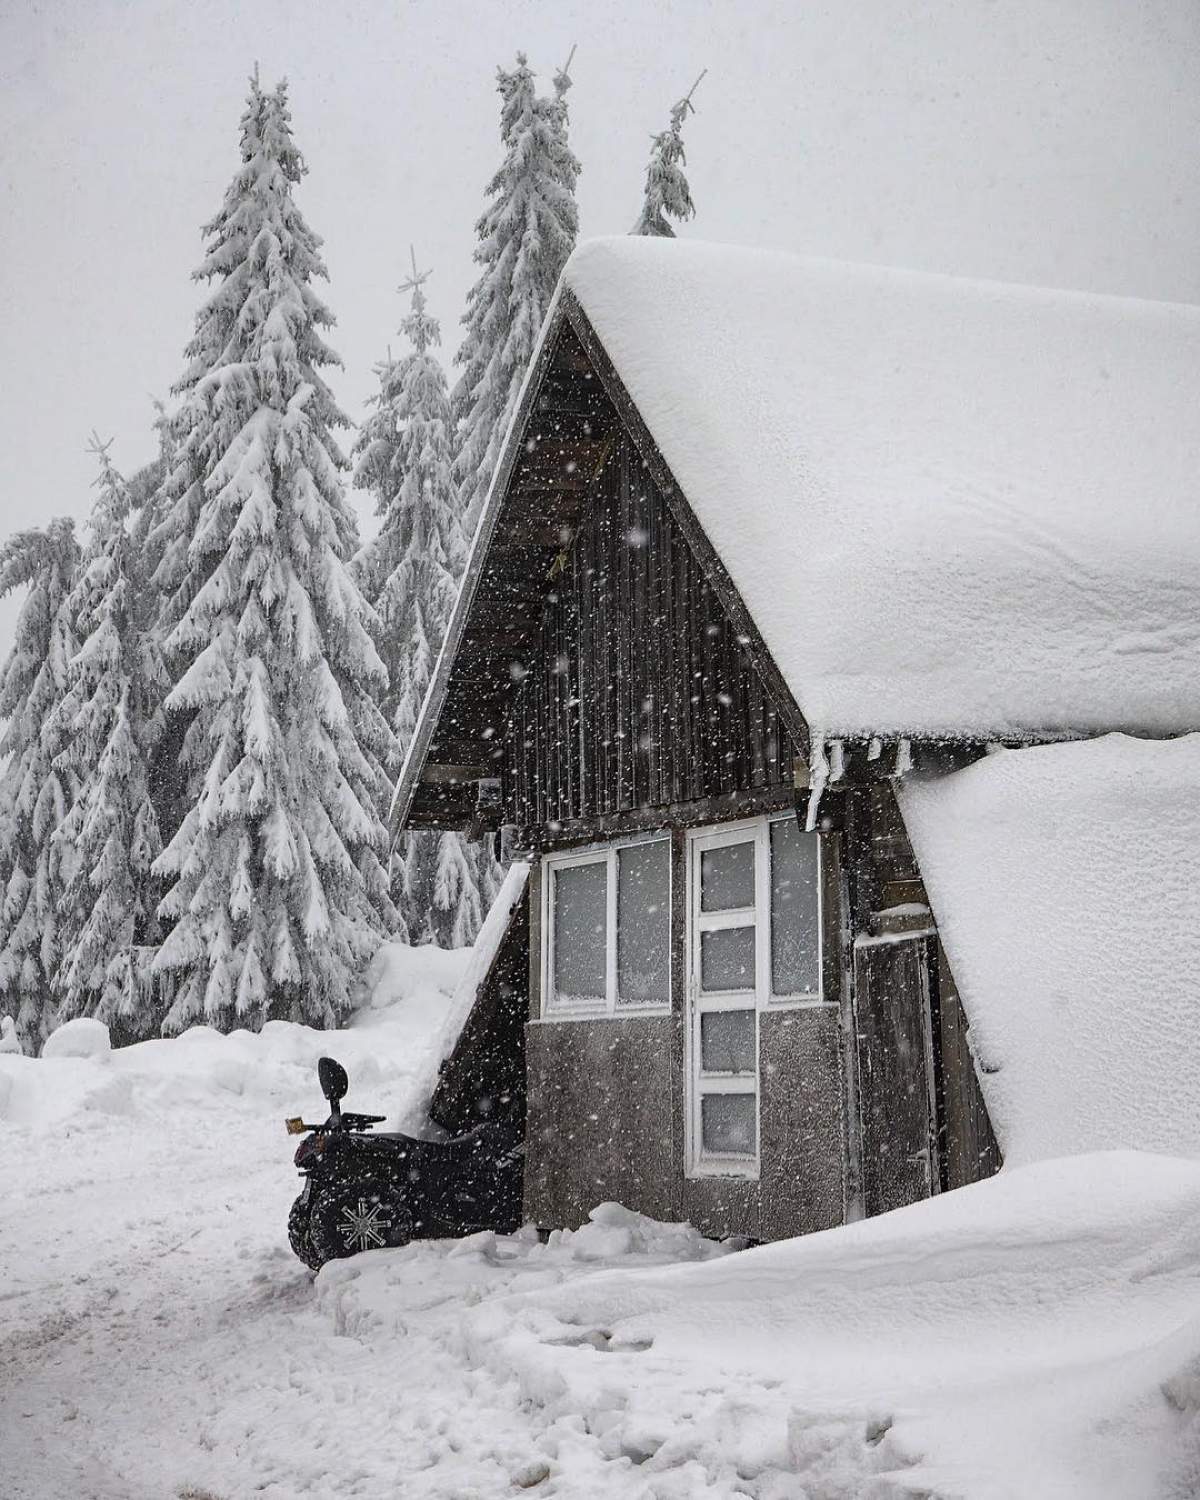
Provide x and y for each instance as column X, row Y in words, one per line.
column 754, row 944
column 606, row 930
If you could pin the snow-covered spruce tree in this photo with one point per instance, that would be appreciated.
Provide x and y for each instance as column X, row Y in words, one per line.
column 525, row 235
column 667, row 194
column 410, row 574
column 279, row 895
column 112, row 716
column 35, row 793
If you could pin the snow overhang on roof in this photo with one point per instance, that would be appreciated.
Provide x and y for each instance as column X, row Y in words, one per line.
column 954, row 510
column 1065, row 880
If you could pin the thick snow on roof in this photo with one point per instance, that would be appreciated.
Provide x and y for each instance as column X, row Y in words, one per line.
column 1066, row 884
column 950, row 506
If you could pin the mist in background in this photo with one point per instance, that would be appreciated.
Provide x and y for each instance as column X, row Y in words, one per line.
column 1054, row 142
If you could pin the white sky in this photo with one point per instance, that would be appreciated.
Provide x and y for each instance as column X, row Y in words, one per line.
column 1050, row 141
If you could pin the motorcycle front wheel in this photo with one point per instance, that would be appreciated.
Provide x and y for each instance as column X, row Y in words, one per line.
column 348, row 1217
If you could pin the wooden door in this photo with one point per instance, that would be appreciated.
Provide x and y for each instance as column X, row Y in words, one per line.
column 896, row 1074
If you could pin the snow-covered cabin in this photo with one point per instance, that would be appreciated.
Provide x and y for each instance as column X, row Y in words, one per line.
column 778, row 551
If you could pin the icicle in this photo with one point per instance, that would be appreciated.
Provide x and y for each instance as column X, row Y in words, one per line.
column 818, row 775
column 837, row 759
column 875, row 748
column 903, row 759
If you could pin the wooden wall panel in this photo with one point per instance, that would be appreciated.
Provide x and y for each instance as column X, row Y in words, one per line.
column 970, row 1151
column 641, row 693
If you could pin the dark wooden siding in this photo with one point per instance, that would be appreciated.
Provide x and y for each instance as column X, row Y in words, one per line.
column 916, row 1084
column 969, row 1149
column 484, row 1076
column 641, row 693
column 896, row 1087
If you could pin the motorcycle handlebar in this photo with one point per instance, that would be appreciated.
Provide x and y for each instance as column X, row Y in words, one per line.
column 337, row 1121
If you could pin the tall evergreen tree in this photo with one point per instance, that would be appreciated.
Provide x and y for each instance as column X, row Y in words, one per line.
column 410, row 574
column 667, row 194
column 112, row 718
column 279, row 896
column 35, row 792
column 525, row 235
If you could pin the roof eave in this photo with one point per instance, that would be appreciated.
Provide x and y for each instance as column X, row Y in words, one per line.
column 413, row 768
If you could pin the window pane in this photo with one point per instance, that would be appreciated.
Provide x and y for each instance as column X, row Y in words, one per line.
column 727, row 1041
column 580, row 920
column 727, row 959
column 795, row 944
column 727, row 877
column 644, row 924
column 727, row 1124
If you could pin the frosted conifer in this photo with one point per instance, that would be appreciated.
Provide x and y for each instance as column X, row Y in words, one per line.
column 667, row 194
column 458, row 913
column 113, row 719
column 35, row 793
column 279, row 896
column 409, row 574
column 525, row 235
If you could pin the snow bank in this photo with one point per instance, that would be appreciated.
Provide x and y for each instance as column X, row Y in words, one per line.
column 951, row 507
column 388, row 1051
column 1034, row 1335
column 1066, row 884
column 373, row 1294
column 82, row 1037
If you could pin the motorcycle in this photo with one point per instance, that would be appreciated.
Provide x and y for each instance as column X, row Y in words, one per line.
column 366, row 1191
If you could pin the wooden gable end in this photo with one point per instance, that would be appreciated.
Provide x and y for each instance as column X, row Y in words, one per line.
column 642, row 692
column 600, row 660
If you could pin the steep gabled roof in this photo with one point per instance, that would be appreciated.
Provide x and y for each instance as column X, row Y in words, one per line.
column 953, row 508
column 949, row 509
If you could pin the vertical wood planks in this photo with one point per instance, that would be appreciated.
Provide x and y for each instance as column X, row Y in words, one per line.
column 640, row 693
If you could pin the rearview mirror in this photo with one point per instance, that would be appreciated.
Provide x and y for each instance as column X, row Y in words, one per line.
column 333, row 1080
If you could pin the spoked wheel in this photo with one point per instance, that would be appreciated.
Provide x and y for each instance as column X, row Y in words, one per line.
column 361, row 1214
column 298, row 1235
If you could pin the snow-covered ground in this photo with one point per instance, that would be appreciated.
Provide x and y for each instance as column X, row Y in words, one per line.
column 1036, row 1336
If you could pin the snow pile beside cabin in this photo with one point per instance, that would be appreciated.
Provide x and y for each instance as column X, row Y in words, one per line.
column 390, row 1051
column 479, row 959
column 1032, row 1335
column 1065, row 880
column 951, row 507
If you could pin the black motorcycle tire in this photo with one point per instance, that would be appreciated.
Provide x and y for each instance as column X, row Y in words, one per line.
column 298, row 1236
column 347, row 1217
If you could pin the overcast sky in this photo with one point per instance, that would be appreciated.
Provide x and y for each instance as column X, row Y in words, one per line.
column 1047, row 141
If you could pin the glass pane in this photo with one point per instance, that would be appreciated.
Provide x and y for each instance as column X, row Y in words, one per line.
column 727, row 1124
column 727, row 877
column 580, row 921
column 727, row 1041
column 727, row 959
column 644, row 924
column 795, row 944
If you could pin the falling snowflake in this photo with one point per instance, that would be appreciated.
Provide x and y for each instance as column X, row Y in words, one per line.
column 364, row 1228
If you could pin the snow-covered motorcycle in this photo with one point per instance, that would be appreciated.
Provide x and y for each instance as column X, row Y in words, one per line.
column 366, row 1191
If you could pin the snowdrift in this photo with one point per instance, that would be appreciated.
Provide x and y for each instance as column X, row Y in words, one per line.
column 1066, row 884
column 387, row 1050
column 1036, row 1335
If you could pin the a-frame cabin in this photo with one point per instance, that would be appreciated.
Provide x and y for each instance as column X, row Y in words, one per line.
column 738, row 1008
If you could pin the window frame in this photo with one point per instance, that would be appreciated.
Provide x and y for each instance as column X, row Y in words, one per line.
column 758, row 1000
column 611, row 1008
